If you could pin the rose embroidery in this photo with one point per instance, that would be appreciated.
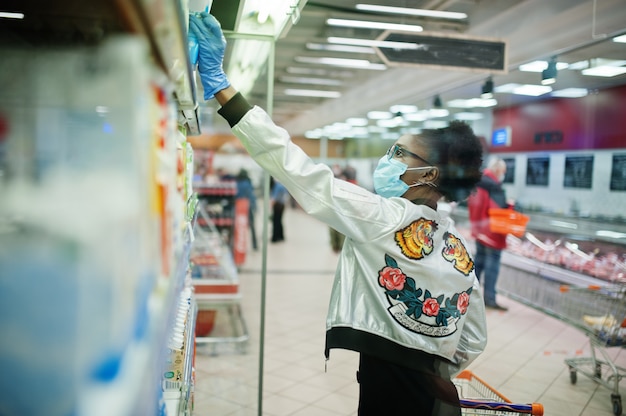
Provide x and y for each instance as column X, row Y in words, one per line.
column 420, row 301
column 462, row 302
column 391, row 278
column 431, row 307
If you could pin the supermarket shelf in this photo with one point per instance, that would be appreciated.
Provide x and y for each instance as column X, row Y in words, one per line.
column 162, row 22
column 178, row 402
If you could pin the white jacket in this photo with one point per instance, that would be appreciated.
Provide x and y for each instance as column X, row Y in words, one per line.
column 405, row 282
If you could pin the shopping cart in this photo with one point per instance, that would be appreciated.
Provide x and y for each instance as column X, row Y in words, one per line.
column 479, row 398
column 598, row 311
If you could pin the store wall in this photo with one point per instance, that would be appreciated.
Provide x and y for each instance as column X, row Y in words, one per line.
column 568, row 155
column 592, row 122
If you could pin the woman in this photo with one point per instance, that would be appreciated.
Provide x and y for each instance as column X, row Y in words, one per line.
column 405, row 294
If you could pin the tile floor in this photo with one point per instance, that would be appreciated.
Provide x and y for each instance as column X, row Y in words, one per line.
column 523, row 359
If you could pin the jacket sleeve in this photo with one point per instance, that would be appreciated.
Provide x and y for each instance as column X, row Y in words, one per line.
column 340, row 204
column 474, row 333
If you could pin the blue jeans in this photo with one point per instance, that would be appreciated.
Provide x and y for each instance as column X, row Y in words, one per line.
column 487, row 267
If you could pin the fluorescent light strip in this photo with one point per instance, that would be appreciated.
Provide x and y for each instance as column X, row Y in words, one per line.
column 620, row 39
column 403, row 108
column 468, row 116
column 312, row 81
column 570, row 93
column 341, row 62
column 312, row 93
column 373, row 25
column 539, row 66
column 525, row 89
column 379, row 115
column 339, row 48
column 10, row 15
column 412, row 12
column 604, row 71
column 377, row 43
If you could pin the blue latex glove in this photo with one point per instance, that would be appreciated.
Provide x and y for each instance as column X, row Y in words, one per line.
column 206, row 29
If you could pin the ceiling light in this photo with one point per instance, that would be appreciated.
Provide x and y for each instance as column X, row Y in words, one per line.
column 379, row 115
column 10, row 15
column 312, row 93
column 578, row 66
column 358, row 132
column 312, row 81
column 620, row 39
column 523, row 89
column 605, row 68
column 472, row 103
column 376, row 129
column 548, row 76
column 604, row 71
column 249, row 59
column 419, row 116
column 357, row 121
column 468, row 116
column 570, row 93
column 404, row 109
column 539, row 66
column 373, row 25
column 313, row 134
column 532, row 90
column 342, row 62
column 390, row 123
column 435, row 124
column 340, row 48
column 438, row 112
column 376, row 43
column 412, row 12
column 487, row 89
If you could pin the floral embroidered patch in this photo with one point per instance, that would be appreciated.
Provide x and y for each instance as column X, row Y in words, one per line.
column 417, row 309
column 456, row 253
column 416, row 240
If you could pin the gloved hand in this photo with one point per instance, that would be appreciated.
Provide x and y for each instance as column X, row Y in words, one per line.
column 211, row 43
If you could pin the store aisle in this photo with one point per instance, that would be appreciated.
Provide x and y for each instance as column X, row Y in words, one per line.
column 523, row 360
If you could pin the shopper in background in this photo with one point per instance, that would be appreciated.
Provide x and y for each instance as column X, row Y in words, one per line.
column 405, row 294
column 489, row 245
column 279, row 196
column 246, row 190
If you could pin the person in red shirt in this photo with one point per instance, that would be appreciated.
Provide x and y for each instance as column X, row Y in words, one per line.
column 489, row 245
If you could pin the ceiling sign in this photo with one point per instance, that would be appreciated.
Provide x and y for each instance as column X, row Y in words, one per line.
column 439, row 50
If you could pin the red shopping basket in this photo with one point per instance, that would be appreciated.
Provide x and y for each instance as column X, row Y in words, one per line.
column 479, row 398
column 507, row 221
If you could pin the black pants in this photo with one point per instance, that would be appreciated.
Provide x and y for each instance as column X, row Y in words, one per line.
column 389, row 389
column 277, row 222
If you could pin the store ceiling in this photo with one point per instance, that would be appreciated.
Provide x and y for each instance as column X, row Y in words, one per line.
column 572, row 30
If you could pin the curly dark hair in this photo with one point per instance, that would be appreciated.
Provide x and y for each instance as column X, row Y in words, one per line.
column 457, row 152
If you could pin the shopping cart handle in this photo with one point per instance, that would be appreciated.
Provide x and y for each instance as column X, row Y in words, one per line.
column 535, row 409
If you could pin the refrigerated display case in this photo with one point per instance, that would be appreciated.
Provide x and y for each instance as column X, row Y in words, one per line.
column 97, row 99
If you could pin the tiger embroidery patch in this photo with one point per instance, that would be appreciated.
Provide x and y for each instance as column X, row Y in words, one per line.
column 416, row 240
column 456, row 253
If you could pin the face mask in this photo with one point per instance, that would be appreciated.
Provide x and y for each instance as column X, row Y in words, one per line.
column 387, row 182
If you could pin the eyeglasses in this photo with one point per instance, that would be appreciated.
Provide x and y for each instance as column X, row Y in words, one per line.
column 400, row 152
